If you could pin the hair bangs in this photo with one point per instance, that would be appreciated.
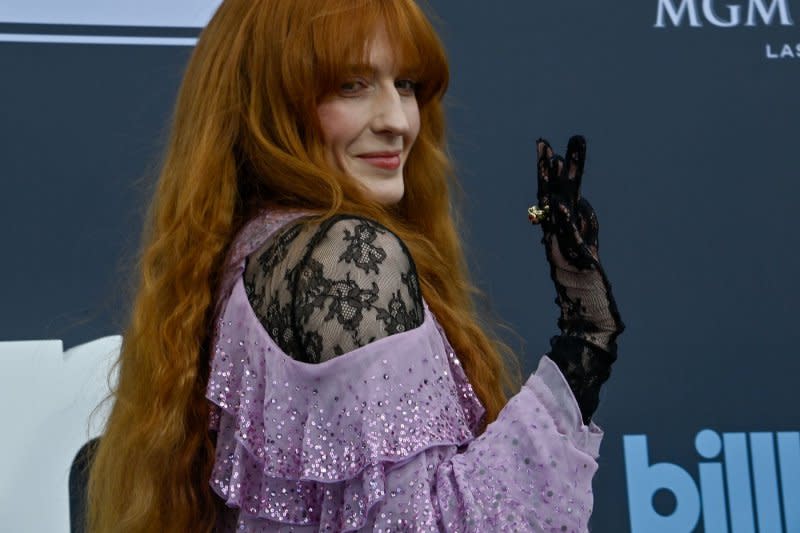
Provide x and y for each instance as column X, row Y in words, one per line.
column 418, row 48
column 341, row 34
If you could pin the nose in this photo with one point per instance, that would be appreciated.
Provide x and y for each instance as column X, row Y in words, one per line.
column 389, row 113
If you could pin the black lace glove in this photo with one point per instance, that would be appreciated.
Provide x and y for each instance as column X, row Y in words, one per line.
column 589, row 321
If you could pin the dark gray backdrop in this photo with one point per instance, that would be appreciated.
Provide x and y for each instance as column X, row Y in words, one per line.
column 693, row 139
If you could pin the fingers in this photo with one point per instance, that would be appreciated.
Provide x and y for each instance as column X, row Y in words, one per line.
column 557, row 176
column 544, row 154
column 543, row 148
column 557, row 167
column 576, row 158
column 587, row 223
column 552, row 167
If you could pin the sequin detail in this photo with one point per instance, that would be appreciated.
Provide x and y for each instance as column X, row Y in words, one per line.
column 382, row 439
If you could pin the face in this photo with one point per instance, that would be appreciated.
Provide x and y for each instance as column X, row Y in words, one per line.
column 370, row 124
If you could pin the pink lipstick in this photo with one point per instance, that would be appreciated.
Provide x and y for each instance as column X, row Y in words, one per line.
column 384, row 160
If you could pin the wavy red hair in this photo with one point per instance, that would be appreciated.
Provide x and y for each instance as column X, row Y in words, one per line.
column 245, row 134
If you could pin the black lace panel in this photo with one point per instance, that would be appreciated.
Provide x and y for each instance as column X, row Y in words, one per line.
column 321, row 290
column 585, row 367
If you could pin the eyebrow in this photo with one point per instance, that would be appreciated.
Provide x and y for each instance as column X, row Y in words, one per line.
column 360, row 67
column 371, row 68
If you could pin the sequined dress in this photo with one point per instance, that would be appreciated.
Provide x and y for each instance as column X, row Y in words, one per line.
column 382, row 437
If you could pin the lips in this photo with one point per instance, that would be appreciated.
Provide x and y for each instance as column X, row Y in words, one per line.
column 384, row 160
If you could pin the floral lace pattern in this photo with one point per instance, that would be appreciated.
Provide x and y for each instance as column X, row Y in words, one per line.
column 323, row 289
column 590, row 322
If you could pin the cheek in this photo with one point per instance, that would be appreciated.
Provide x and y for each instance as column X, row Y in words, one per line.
column 329, row 123
column 339, row 123
column 413, row 121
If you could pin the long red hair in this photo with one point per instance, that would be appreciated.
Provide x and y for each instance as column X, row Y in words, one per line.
column 245, row 134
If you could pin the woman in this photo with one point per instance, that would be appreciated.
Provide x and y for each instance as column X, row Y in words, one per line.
column 304, row 295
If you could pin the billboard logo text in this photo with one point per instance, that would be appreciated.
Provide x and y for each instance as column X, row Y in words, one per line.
column 746, row 482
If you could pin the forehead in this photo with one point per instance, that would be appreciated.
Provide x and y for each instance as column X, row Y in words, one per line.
column 391, row 35
column 379, row 51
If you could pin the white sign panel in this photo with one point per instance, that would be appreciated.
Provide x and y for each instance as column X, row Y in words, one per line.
column 102, row 14
column 47, row 396
column 176, row 13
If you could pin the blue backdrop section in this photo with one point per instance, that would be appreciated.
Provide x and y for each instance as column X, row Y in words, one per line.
column 692, row 130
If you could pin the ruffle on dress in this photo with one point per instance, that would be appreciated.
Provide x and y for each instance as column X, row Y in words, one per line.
column 307, row 444
column 382, row 438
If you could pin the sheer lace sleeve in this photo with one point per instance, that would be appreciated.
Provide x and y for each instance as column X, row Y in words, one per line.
column 590, row 322
column 321, row 290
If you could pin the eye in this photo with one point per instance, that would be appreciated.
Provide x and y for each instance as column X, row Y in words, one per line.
column 352, row 87
column 407, row 86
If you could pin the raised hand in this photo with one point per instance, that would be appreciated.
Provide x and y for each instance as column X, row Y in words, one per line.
column 589, row 321
column 563, row 212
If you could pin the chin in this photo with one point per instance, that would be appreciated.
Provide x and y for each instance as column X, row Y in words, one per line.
column 383, row 191
column 387, row 198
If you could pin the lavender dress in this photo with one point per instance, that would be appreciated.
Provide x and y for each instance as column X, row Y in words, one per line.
column 382, row 438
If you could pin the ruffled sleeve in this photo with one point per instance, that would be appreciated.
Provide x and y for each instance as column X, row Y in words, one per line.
column 382, row 438
column 531, row 470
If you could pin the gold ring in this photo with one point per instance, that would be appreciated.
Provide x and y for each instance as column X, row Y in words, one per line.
column 536, row 213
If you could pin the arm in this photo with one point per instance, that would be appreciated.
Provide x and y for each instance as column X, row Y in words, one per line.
column 322, row 290
column 531, row 470
column 589, row 321
column 383, row 437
